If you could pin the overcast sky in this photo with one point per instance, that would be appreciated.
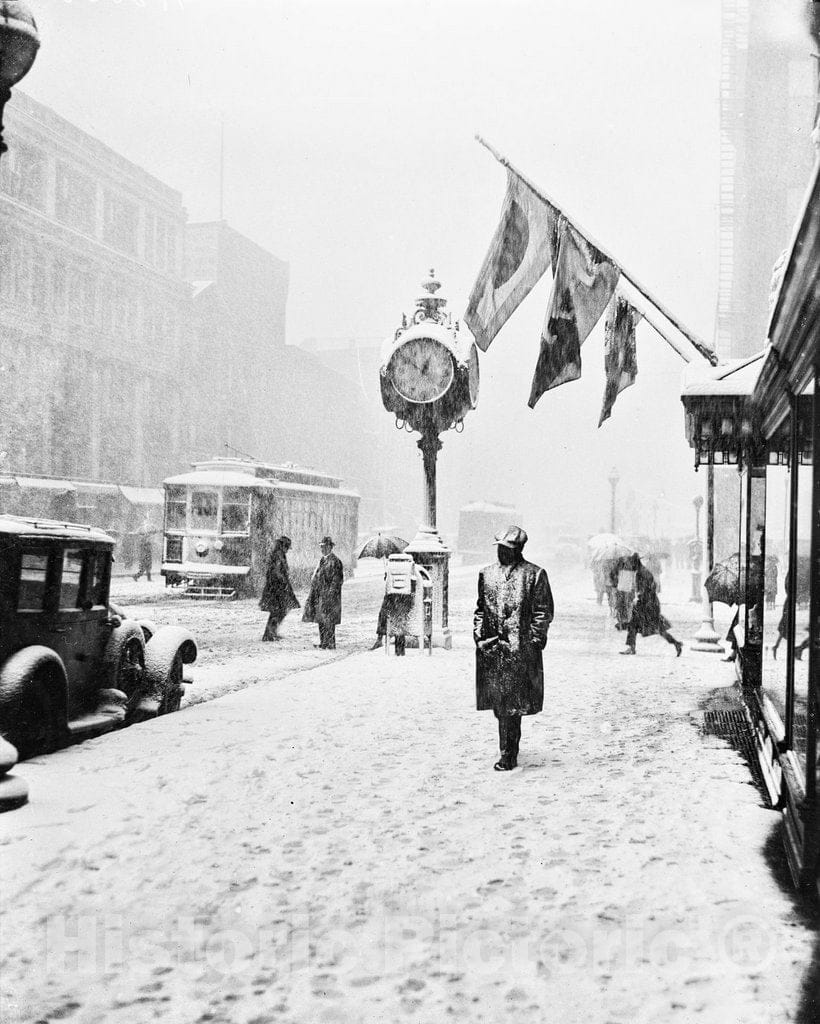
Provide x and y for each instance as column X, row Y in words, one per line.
column 350, row 154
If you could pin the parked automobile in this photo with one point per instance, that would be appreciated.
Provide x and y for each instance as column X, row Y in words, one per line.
column 72, row 665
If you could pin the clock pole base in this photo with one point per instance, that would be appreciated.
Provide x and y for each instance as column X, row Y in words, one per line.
column 431, row 553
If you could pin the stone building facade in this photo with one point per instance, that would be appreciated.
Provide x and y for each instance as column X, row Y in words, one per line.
column 94, row 308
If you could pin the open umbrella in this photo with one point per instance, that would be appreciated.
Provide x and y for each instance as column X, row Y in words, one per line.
column 383, row 545
column 606, row 547
column 722, row 582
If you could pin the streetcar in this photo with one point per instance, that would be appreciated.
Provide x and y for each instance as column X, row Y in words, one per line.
column 222, row 518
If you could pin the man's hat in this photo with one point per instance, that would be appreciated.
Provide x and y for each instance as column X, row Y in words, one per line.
column 512, row 537
column 326, row 540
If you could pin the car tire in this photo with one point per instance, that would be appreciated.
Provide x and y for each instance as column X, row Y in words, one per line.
column 124, row 663
column 168, row 650
column 34, row 701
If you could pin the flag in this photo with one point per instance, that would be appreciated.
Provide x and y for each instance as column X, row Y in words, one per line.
column 583, row 283
column 620, row 356
column 519, row 253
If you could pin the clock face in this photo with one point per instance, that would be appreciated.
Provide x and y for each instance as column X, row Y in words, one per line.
column 421, row 370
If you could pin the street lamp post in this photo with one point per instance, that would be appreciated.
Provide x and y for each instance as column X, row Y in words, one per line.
column 613, row 483
column 706, row 639
column 697, row 553
column 19, row 43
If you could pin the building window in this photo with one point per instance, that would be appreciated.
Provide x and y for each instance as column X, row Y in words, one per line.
column 22, row 175
column 120, row 223
column 59, row 287
column 76, row 199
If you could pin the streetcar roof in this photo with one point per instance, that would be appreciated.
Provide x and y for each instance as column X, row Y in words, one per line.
column 220, row 478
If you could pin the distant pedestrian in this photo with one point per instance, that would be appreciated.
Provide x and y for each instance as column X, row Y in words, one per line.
column 277, row 595
column 146, row 555
column 324, row 602
column 640, row 611
column 770, row 580
column 512, row 618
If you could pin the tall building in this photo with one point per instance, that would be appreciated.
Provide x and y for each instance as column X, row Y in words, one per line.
column 133, row 342
column 767, row 112
column 94, row 309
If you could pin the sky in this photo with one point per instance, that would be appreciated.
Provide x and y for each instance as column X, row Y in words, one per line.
column 350, row 153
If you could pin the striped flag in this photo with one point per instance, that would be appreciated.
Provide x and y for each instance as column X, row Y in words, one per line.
column 620, row 354
column 582, row 286
column 520, row 252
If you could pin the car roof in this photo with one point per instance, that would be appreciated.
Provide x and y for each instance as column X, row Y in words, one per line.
column 51, row 529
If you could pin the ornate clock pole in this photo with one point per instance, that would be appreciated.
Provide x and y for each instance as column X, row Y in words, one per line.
column 429, row 381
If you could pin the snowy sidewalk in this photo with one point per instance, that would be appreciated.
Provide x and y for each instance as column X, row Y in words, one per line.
column 335, row 846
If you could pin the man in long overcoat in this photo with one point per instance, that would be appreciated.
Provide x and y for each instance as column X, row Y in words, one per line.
column 324, row 603
column 512, row 618
column 277, row 595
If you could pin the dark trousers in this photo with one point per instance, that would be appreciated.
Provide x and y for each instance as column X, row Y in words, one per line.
column 509, row 734
column 632, row 634
column 272, row 626
column 327, row 635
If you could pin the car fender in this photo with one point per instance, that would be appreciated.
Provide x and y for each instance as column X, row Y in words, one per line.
column 148, row 627
column 127, row 630
column 163, row 647
column 16, row 674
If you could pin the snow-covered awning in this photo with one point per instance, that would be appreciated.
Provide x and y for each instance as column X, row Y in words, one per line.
column 46, row 484
column 142, row 495
column 720, row 415
column 87, row 487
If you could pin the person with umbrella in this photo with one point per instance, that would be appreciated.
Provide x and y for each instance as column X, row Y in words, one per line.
column 512, row 617
column 277, row 595
column 324, row 602
column 383, row 545
column 645, row 613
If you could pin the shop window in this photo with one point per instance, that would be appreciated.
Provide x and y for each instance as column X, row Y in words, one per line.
column 32, row 591
column 802, row 592
column 204, row 508
column 775, row 568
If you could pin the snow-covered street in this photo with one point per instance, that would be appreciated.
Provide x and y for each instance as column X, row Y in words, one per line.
column 331, row 844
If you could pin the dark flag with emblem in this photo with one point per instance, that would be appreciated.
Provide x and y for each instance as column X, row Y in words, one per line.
column 620, row 355
column 582, row 286
column 520, row 252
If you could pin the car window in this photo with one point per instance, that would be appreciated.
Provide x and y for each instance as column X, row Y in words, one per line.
column 32, row 581
column 99, row 579
column 72, row 576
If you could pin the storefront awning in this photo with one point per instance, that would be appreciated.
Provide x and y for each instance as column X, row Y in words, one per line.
column 142, row 495
column 87, row 487
column 39, row 483
column 720, row 415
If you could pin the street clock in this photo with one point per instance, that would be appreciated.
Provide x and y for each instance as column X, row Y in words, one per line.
column 429, row 373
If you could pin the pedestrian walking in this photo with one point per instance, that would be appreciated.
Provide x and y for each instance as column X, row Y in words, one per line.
column 277, row 595
column 324, row 602
column 770, row 580
column 512, row 618
column 146, row 554
column 642, row 612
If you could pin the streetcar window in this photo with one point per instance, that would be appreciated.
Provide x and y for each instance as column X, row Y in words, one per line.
column 32, row 582
column 236, row 510
column 175, row 508
column 204, row 508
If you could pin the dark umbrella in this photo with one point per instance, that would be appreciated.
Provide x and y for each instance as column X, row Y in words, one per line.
column 722, row 582
column 383, row 545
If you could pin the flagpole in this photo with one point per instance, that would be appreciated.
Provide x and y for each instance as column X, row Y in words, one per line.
column 693, row 339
